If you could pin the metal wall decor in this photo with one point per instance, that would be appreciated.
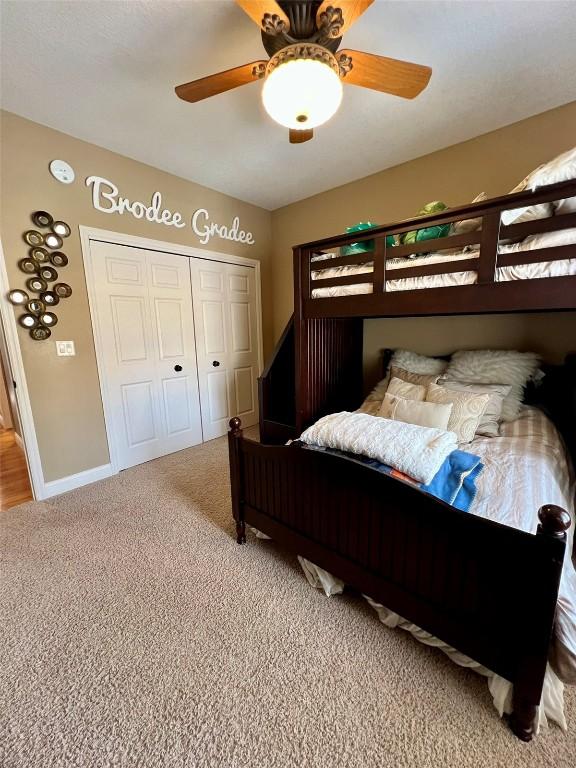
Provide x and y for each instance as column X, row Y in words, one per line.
column 40, row 265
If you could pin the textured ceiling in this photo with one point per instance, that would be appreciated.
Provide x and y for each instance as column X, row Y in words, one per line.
column 105, row 72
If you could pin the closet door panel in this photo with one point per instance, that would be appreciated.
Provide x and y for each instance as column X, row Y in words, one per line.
column 146, row 328
column 227, row 349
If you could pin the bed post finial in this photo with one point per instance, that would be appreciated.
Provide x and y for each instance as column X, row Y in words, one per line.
column 236, row 426
column 554, row 521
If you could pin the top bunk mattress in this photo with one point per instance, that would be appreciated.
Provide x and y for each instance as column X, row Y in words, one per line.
column 543, row 269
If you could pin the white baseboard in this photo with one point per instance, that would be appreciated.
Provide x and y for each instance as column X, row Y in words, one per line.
column 69, row 483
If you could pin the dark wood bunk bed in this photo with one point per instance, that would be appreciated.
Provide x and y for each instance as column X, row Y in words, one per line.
column 418, row 556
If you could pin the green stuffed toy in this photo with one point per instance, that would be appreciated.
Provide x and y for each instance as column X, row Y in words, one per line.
column 428, row 233
column 366, row 245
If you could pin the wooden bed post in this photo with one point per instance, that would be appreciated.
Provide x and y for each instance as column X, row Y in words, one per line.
column 236, row 477
column 554, row 522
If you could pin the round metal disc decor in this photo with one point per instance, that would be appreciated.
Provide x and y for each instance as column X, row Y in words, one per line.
column 61, row 228
column 37, row 284
column 42, row 219
column 59, row 259
column 36, row 306
column 49, row 298
column 28, row 321
column 39, row 254
column 33, row 237
column 48, row 319
column 40, row 333
column 48, row 273
column 18, row 297
column 29, row 266
column 53, row 241
column 63, row 290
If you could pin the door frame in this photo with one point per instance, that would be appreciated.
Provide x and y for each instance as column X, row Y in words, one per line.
column 92, row 234
column 16, row 362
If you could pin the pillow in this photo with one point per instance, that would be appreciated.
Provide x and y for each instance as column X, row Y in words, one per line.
column 416, row 363
column 413, row 378
column 413, row 412
column 409, row 361
column 407, row 390
column 470, row 225
column 562, row 168
column 543, row 240
column 502, row 366
column 528, row 212
column 467, row 410
column 488, row 425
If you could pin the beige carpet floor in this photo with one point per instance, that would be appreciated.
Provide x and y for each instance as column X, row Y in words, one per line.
column 135, row 632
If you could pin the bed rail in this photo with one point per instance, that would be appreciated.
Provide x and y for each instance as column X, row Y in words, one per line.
column 484, row 588
column 487, row 294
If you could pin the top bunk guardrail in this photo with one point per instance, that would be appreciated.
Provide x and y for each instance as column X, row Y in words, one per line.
column 492, row 268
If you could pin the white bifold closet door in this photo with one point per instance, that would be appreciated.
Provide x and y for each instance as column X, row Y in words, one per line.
column 226, row 343
column 145, row 321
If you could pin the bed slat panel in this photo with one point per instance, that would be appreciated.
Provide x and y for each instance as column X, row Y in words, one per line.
column 557, row 253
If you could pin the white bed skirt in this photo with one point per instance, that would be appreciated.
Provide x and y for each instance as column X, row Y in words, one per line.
column 552, row 702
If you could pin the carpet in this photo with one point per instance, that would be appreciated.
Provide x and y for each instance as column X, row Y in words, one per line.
column 135, row 632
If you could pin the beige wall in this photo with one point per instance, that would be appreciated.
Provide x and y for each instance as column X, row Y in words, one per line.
column 64, row 392
column 493, row 163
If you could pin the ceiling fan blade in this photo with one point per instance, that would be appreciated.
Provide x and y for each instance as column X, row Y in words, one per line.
column 339, row 15
column 223, row 81
column 267, row 14
column 299, row 137
column 401, row 78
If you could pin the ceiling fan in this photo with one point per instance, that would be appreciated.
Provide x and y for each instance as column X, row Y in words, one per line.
column 304, row 75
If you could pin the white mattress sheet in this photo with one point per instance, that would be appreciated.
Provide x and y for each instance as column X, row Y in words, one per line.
column 560, row 268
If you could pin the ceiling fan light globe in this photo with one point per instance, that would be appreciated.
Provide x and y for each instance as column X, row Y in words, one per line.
column 302, row 93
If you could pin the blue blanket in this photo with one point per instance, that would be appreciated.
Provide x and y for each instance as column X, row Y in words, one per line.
column 454, row 483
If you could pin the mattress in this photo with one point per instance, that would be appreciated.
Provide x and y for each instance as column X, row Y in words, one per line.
column 543, row 269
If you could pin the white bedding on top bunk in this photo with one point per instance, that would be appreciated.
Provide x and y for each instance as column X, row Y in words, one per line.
column 537, row 270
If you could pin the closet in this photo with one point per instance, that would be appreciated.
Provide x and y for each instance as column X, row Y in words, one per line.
column 178, row 348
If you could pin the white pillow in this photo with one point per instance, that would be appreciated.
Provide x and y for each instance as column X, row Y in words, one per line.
column 405, row 389
column 412, row 412
column 562, row 168
column 543, row 240
column 416, row 363
column 467, row 410
column 527, row 212
column 502, row 366
column 489, row 420
column 469, row 225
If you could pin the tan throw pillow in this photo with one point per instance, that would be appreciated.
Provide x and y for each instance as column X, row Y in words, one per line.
column 422, row 379
column 413, row 412
column 467, row 410
column 407, row 390
column 490, row 419
column 469, row 225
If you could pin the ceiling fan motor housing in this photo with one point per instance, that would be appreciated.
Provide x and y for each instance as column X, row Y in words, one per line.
column 303, row 27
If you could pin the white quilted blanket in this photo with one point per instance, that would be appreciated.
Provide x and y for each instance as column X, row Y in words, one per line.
column 418, row 452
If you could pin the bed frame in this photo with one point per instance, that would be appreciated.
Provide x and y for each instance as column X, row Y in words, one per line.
column 418, row 556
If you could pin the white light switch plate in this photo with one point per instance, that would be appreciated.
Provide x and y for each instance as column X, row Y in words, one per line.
column 65, row 349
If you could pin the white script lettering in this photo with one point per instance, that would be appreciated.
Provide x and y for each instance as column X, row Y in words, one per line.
column 104, row 190
column 107, row 199
column 206, row 229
